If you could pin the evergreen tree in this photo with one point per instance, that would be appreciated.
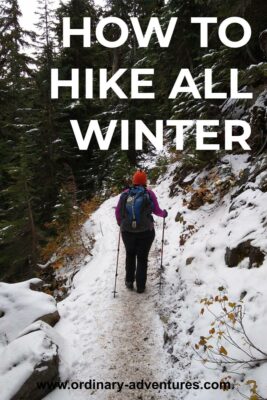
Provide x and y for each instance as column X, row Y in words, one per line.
column 43, row 175
column 128, row 56
column 79, row 165
column 45, row 111
column 18, row 220
column 14, row 40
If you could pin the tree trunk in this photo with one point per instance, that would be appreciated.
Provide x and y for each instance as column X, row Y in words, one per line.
column 116, row 61
column 32, row 226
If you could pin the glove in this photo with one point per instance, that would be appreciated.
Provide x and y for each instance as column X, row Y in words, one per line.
column 165, row 214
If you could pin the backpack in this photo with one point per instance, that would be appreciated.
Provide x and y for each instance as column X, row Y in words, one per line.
column 136, row 210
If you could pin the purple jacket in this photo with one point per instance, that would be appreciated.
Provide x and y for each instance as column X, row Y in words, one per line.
column 156, row 209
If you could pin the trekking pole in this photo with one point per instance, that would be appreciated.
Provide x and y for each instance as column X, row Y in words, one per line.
column 117, row 264
column 161, row 261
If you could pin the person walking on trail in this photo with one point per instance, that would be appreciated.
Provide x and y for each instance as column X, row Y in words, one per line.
column 134, row 216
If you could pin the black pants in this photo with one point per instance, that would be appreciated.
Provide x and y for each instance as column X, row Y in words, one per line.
column 137, row 247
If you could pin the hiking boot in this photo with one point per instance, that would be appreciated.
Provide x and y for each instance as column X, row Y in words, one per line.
column 129, row 285
column 140, row 290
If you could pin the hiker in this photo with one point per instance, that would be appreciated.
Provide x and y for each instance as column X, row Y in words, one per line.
column 134, row 216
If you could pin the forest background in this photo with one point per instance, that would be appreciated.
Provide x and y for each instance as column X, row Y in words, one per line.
column 46, row 183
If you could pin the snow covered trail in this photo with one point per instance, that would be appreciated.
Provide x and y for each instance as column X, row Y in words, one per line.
column 111, row 339
column 122, row 339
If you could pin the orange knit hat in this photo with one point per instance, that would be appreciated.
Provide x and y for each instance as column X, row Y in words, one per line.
column 140, row 178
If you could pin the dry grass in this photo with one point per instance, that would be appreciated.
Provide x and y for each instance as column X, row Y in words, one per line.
column 67, row 244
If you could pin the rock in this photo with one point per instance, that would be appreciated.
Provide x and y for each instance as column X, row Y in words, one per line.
column 1, row 313
column 260, row 166
column 166, row 338
column 243, row 177
column 243, row 295
column 51, row 319
column 196, row 201
column 32, row 358
column 263, row 42
column 174, row 359
column 36, row 284
column 189, row 260
column 188, row 180
column 179, row 217
column 224, row 187
column 23, row 306
column 237, row 205
column 45, row 371
column 181, row 178
column 244, row 250
column 191, row 330
column 48, row 276
column 263, row 183
column 185, row 175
